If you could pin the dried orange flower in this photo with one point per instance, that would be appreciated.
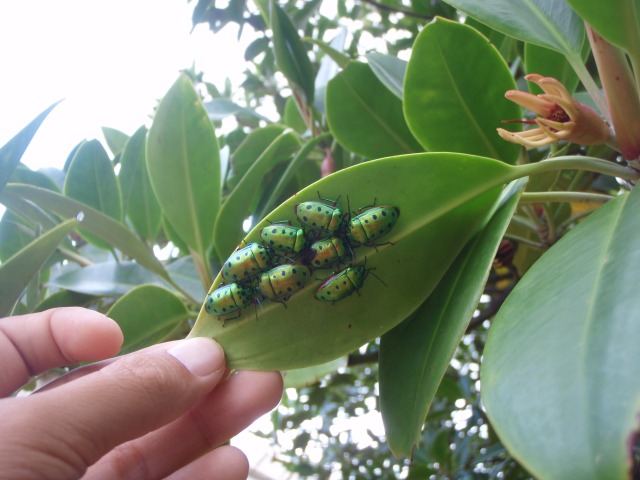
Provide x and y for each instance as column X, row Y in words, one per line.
column 561, row 117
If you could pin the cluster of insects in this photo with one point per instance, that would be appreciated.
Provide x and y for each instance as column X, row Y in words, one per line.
column 283, row 262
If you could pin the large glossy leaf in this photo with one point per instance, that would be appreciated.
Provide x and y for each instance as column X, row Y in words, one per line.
column 291, row 56
column 116, row 140
column 442, row 198
column 19, row 269
column 228, row 228
column 548, row 23
column 454, row 92
column 294, row 167
column 139, row 200
column 549, row 63
column 365, row 116
column 105, row 279
column 146, row 315
column 618, row 21
column 183, row 161
column 559, row 377
column 250, row 150
column 91, row 180
column 390, row 71
column 415, row 355
column 93, row 221
column 11, row 152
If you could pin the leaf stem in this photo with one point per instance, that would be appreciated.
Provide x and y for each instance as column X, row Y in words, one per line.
column 526, row 241
column 576, row 162
column 568, row 197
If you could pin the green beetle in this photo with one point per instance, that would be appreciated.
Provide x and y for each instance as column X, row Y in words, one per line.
column 324, row 253
column 284, row 237
column 323, row 218
column 371, row 224
column 342, row 284
column 229, row 299
column 279, row 283
column 247, row 262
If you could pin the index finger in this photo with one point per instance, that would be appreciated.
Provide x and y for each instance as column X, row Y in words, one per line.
column 33, row 343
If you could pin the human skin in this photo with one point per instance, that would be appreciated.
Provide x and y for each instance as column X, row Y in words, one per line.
column 162, row 412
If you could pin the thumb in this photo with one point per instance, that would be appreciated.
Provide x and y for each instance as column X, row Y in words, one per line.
column 68, row 428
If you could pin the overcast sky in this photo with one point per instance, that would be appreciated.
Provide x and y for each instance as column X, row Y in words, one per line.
column 109, row 60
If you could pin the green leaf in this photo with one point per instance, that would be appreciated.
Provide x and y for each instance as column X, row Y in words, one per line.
column 454, row 92
column 341, row 59
column 292, row 117
column 365, row 116
column 291, row 56
column 92, row 181
column 617, row 21
column 105, row 279
column 304, row 377
column 64, row 298
column 93, row 221
column 221, row 108
column 390, row 71
column 442, row 198
column 228, row 228
column 549, row 64
column 139, row 201
column 560, row 360
column 547, row 23
column 116, row 140
column 146, row 315
column 184, row 165
column 415, row 355
column 17, row 271
column 12, row 151
column 294, row 167
column 183, row 272
column 250, row 150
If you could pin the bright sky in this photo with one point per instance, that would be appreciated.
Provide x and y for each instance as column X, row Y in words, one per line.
column 110, row 60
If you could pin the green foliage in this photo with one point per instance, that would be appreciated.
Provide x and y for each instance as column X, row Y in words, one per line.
column 140, row 233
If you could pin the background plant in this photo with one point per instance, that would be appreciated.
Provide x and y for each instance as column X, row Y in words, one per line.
column 139, row 232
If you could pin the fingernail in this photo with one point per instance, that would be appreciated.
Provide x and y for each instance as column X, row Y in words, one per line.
column 202, row 356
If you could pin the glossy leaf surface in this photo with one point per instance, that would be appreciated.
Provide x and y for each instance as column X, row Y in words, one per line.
column 228, row 228
column 442, row 199
column 146, row 315
column 11, row 152
column 548, row 23
column 415, row 355
column 116, row 140
column 390, row 71
column 91, row 180
column 560, row 361
column 105, row 279
column 618, row 21
column 183, row 161
column 454, row 92
column 19, row 269
column 365, row 116
column 139, row 200
column 291, row 56
column 93, row 221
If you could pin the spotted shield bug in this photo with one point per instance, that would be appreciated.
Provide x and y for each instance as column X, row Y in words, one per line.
column 371, row 224
column 279, row 283
column 284, row 237
column 323, row 218
column 229, row 299
column 326, row 252
column 247, row 262
column 342, row 284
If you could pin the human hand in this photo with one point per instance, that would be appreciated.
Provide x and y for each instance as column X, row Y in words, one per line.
column 161, row 412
